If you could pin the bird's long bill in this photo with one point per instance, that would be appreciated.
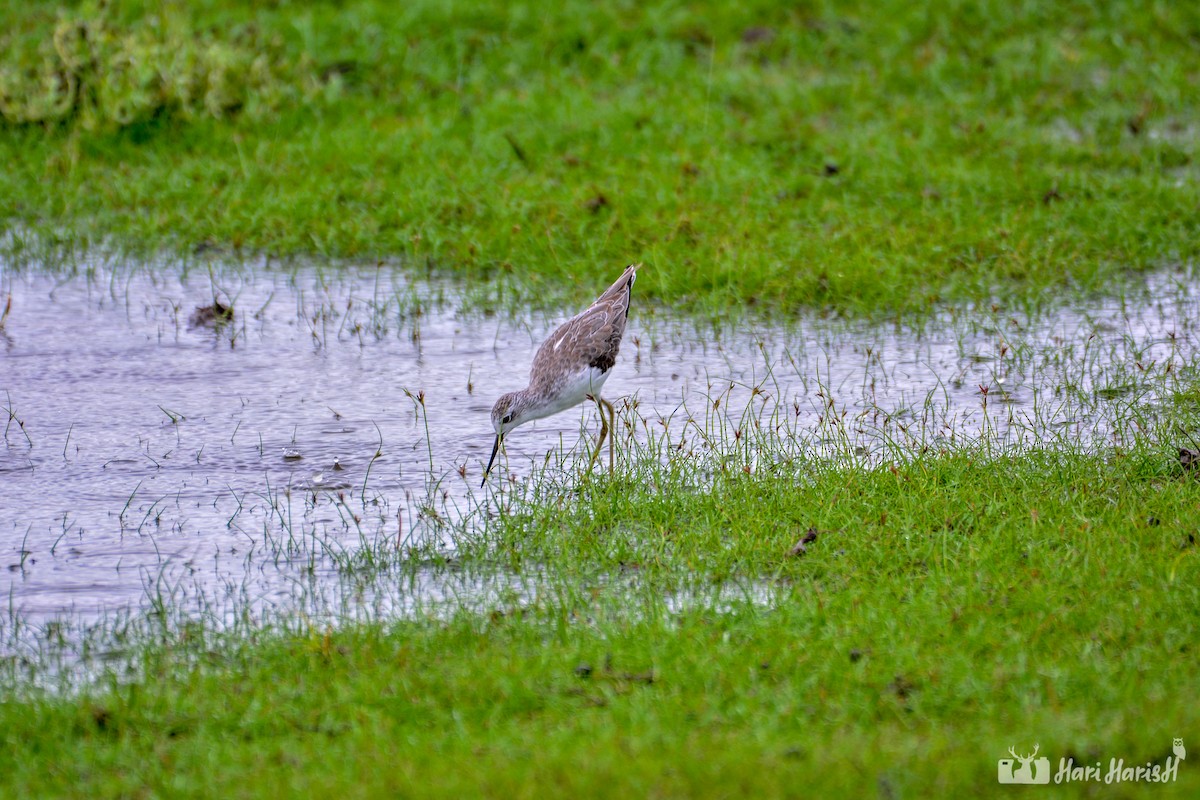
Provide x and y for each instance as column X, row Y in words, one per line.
column 495, row 449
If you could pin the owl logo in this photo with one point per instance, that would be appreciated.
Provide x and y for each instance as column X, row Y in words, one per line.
column 1177, row 749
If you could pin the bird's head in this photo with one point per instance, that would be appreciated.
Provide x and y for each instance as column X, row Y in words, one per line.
column 507, row 412
column 510, row 411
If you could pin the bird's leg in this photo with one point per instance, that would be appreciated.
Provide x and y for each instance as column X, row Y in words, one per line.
column 603, row 432
column 612, row 432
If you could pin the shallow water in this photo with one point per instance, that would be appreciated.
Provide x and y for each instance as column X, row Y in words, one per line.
column 150, row 457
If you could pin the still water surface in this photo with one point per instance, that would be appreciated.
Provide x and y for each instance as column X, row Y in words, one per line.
column 149, row 451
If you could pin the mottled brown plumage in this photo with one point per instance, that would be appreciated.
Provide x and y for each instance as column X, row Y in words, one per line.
column 571, row 366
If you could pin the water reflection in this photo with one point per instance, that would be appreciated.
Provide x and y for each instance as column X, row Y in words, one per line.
column 152, row 446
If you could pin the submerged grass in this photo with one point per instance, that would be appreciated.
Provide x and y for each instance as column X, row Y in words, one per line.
column 949, row 608
column 859, row 156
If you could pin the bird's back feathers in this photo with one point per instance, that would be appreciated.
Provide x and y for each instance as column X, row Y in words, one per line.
column 590, row 339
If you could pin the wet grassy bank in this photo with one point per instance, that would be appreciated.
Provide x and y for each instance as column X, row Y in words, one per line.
column 846, row 154
column 947, row 609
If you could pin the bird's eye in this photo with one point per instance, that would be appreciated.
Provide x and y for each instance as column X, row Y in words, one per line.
column 507, row 419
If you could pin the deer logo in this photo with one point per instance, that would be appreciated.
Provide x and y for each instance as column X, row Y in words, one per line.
column 1033, row 770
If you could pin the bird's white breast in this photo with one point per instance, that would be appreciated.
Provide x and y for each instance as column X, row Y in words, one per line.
column 573, row 389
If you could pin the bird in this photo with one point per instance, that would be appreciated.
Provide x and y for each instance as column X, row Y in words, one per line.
column 571, row 366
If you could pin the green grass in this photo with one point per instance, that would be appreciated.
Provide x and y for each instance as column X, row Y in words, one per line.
column 980, row 148
column 863, row 157
column 950, row 608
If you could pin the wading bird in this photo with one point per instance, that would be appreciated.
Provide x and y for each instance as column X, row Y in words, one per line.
column 571, row 366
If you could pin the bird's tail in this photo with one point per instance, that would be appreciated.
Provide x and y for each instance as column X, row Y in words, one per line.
column 624, row 285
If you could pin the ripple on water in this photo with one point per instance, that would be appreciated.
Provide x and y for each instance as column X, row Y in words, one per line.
column 146, row 453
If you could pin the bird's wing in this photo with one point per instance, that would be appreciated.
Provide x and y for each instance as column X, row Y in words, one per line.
column 590, row 338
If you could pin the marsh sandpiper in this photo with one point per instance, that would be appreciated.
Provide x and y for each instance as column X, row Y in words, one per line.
column 571, row 366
